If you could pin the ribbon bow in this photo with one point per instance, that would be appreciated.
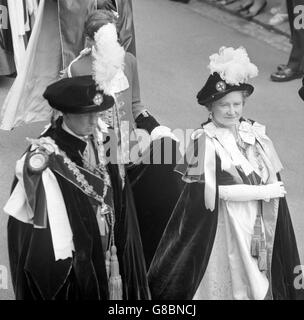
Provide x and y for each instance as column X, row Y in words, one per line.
column 250, row 132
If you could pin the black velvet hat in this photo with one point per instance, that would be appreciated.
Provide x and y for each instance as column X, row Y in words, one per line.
column 77, row 95
column 215, row 88
column 301, row 91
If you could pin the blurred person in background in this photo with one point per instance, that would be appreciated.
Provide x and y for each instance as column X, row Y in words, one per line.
column 251, row 8
column 294, row 69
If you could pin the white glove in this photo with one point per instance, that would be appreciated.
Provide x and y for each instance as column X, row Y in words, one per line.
column 244, row 192
column 275, row 190
column 161, row 132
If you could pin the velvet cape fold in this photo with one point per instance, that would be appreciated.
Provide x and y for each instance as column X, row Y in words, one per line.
column 35, row 273
column 184, row 250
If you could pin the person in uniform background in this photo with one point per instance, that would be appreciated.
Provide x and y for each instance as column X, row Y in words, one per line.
column 125, row 22
column 130, row 107
column 294, row 69
column 72, row 230
column 154, row 204
column 58, row 26
column 7, row 63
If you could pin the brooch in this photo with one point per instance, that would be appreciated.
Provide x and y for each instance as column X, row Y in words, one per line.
column 98, row 99
column 220, row 86
column 38, row 161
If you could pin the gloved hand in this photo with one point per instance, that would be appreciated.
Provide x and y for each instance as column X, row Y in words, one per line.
column 275, row 190
column 161, row 132
column 146, row 121
column 244, row 192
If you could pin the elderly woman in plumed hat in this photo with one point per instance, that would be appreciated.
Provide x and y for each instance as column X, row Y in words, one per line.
column 230, row 235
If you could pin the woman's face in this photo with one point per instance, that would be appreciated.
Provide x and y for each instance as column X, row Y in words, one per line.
column 227, row 111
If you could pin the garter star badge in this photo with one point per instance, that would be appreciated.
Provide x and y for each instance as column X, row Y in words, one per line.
column 98, row 99
column 38, row 161
column 220, row 86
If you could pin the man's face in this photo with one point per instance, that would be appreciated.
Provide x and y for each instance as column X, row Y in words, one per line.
column 82, row 124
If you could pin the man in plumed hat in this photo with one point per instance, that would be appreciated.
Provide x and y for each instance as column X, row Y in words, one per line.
column 72, row 227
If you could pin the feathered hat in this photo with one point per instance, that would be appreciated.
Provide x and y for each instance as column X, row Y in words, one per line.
column 77, row 95
column 230, row 71
column 108, row 57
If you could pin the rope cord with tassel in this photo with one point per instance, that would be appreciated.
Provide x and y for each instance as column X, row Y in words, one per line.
column 258, row 244
column 112, row 266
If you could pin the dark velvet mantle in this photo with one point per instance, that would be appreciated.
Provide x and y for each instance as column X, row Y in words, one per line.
column 183, row 253
column 36, row 275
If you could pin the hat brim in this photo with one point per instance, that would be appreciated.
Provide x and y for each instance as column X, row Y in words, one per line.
column 220, row 94
column 107, row 103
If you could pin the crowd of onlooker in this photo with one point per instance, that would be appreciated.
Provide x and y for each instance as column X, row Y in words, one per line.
column 251, row 8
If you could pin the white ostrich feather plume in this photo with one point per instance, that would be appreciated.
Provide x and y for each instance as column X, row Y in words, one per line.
column 108, row 57
column 233, row 65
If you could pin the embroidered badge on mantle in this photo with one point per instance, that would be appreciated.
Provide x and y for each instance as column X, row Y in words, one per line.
column 38, row 161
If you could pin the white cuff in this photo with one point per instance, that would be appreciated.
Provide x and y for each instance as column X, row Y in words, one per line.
column 161, row 132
